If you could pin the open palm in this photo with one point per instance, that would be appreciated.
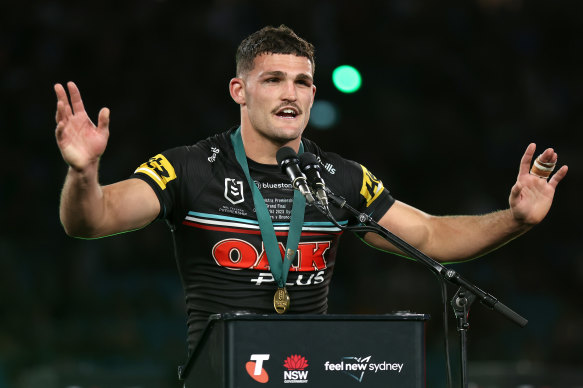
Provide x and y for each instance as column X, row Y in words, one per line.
column 81, row 142
column 531, row 197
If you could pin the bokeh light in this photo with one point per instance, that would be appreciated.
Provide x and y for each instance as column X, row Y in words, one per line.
column 324, row 114
column 346, row 79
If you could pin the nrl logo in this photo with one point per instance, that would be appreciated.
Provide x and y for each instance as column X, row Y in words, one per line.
column 234, row 190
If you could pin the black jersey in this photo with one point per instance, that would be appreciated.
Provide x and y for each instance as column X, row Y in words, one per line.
column 206, row 199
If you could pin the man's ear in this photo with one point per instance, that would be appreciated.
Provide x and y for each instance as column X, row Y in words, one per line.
column 237, row 90
column 313, row 94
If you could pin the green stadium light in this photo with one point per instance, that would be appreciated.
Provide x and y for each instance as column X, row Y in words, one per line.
column 346, row 79
column 324, row 114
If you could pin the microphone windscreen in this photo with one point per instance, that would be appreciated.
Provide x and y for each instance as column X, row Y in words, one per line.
column 308, row 159
column 285, row 153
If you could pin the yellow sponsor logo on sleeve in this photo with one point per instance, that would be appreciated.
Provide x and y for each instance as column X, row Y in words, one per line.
column 159, row 169
column 371, row 186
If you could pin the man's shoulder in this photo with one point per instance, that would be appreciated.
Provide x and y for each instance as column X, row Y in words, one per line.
column 330, row 161
column 208, row 149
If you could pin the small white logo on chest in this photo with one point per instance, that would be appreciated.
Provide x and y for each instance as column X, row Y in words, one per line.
column 234, row 190
column 213, row 157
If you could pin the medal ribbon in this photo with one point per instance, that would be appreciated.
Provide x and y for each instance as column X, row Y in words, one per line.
column 279, row 267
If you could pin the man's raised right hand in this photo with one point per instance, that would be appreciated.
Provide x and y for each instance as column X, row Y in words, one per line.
column 80, row 141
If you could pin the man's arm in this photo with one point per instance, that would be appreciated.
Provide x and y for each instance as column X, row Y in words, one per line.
column 456, row 238
column 88, row 209
column 448, row 238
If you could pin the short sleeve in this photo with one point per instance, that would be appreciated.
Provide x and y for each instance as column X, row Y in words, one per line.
column 366, row 192
column 162, row 173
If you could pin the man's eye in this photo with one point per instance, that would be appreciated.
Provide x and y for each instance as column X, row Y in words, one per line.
column 272, row 80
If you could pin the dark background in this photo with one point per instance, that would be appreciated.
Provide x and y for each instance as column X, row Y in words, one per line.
column 452, row 94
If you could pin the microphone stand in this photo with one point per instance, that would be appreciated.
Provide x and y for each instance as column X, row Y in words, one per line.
column 464, row 297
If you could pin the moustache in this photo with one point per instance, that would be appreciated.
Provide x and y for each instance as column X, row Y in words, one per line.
column 288, row 105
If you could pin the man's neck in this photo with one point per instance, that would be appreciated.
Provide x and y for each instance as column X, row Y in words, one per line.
column 261, row 149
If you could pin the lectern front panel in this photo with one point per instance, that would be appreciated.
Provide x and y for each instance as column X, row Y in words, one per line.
column 315, row 351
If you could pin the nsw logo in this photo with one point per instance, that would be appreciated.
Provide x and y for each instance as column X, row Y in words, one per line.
column 295, row 373
column 255, row 368
column 234, row 190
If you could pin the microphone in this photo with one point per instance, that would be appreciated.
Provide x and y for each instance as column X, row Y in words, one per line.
column 311, row 167
column 288, row 162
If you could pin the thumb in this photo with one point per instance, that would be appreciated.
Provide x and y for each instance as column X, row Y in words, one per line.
column 103, row 119
column 515, row 191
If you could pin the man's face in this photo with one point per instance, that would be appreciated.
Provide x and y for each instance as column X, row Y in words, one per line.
column 278, row 95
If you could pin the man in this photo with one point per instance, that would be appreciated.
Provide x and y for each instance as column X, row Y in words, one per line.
column 223, row 188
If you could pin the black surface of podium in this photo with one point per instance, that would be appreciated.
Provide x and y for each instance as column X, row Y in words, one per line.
column 240, row 350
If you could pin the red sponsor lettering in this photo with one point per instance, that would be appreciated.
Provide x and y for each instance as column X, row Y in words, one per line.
column 311, row 256
column 239, row 254
column 235, row 254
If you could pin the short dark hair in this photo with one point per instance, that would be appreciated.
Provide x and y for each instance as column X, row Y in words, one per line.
column 272, row 40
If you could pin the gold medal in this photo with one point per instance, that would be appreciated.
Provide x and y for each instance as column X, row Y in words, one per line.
column 281, row 300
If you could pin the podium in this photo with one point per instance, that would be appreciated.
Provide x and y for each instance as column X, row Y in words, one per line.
column 240, row 350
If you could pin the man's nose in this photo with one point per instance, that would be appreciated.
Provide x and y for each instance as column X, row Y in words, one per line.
column 289, row 92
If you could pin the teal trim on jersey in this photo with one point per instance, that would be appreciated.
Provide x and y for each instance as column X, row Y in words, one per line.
column 321, row 223
column 220, row 217
column 246, row 221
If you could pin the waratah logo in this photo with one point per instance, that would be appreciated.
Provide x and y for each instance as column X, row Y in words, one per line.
column 295, row 362
column 295, row 372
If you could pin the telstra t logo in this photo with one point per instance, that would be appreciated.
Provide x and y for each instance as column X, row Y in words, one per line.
column 255, row 367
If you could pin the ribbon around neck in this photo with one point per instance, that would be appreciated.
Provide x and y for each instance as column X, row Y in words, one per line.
column 278, row 266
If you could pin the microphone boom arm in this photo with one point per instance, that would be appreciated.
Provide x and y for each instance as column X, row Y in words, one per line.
column 446, row 273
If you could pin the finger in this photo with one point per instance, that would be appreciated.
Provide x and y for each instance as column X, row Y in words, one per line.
column 59, row 131
column 67, row 112
column 61, row 101
column 559, row 175
column 103, row 119
column 549, row 156
column 526, row 159
column 60, row 92
column 60, row 115
column 76, row 100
